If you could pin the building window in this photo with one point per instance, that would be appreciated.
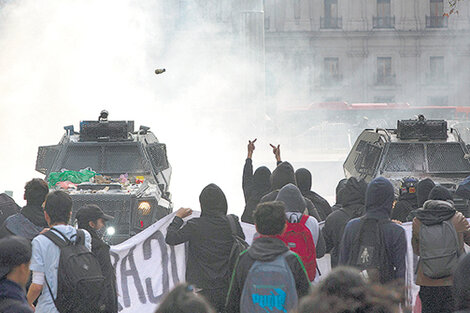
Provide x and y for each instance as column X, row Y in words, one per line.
column 438, row 101
column 384, row 71
column 331, row 19
column 436, row 73
column 384, row 18
column 437, row 18
column 331, row 74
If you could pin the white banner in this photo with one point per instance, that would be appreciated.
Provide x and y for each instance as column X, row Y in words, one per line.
column 147, row 268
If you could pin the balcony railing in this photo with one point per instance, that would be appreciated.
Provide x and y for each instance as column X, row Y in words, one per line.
column 437, row 21
column 385, row 80
column 331, row 22
column 384, row 22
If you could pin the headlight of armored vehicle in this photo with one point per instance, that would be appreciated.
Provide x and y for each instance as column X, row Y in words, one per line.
column 110, row 231
column 144, row 208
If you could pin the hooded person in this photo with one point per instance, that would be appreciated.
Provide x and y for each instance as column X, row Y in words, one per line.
column 210, row 243
column 407, row 200
column 339, row 188
column 304, row 182
column 295, row 205
column 379, row 201
column 423, row 188
column 284, row 174
column 255, row 186
column 436, row 293
column 350, row 199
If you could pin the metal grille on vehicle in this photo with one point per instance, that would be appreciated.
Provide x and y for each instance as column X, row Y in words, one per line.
column 447, row 157
column 405, row 157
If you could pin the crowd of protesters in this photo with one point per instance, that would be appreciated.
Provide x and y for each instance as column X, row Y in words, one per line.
column 41, row 254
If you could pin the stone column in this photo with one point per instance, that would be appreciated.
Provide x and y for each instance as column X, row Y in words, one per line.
column 252, row 46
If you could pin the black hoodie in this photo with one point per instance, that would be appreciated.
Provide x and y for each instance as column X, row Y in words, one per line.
column 406, row 203
column 11, row 291
column 304, row 182
column 423, row 189
column 255, row 186
column 264, row 249
column 352, row 198
column 101, row 250
column 379, row 201
column 284, row 174
column 210, row 241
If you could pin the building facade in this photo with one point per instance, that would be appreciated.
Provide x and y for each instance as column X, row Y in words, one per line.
column 367, row 51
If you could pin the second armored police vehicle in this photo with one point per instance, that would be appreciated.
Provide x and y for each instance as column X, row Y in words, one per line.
column 419, row 148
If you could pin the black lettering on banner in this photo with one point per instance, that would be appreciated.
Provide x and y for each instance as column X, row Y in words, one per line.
column 114, row 258
column 114, row 261
column 147, row 249
column 132, row 271
column 174, row 267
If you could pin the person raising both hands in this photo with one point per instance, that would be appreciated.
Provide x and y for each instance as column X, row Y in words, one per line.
column 255, row 186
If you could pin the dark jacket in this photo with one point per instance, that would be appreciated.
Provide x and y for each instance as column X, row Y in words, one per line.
column 304, row 182
column 28, row 223
column 461, row 286
column 13, row 291
column 423, row 189
column 350, row 200
column 406, row 203
column 210, row 241
column 379, row 201
column 8, row 207
column 284, row 174
column 264, row 249
column 255, row 186
column 101, row 251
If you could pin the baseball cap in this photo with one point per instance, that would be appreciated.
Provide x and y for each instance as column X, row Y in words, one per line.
column 92, row 212
column 15, row 251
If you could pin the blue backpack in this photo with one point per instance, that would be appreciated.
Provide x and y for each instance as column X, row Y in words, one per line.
column 269, row 287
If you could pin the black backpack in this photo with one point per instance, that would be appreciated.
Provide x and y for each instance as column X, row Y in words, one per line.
column 80, row 282
column 369, row 253
column 239, row 245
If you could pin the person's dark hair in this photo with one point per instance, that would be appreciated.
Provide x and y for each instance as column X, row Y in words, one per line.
column 270, row 218
column 35, row 191
column 340, row 281
column 58, row 206
column 362, row 299
column 182, row 299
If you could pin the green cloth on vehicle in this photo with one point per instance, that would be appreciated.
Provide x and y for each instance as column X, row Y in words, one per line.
column 72, row 176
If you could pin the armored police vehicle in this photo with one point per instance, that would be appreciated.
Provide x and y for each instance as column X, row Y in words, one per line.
column 419, row 148
column 131, row 173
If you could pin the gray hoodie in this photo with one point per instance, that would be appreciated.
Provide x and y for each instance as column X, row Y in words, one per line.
column 295, row 207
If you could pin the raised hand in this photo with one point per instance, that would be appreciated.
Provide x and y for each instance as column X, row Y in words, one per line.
column 184, row 212
column 251, row 147
column 276, row 151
